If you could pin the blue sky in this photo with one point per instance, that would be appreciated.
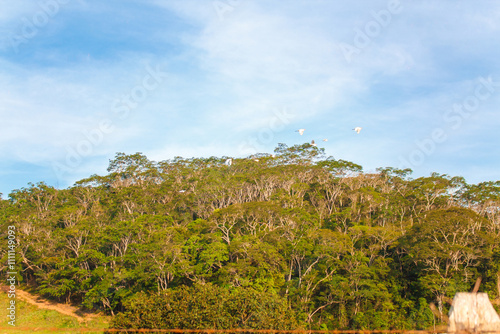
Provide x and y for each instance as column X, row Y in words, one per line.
column 82, row 80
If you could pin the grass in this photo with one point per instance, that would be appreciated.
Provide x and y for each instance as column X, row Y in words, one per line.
column 30, row 316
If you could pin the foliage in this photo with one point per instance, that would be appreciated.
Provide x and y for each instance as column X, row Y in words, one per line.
column 207, row 306
column 283, row 241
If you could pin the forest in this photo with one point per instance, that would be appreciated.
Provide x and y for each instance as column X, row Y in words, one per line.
column 287, row 240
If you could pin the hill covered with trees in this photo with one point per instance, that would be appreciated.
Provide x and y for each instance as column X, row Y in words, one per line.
column 283, row 241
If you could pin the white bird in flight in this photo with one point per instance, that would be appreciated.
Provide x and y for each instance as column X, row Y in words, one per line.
column 357, row 129
column 325, row 139
column 300, row 131
column 229, row 162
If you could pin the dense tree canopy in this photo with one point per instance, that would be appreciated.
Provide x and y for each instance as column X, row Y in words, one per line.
column 289, row 240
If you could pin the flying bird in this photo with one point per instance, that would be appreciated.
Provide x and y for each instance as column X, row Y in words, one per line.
column 300, row 131
column 325, row 139
column 229, row 162
column 357, row 129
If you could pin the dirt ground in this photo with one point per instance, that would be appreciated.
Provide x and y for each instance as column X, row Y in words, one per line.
column 48, row 305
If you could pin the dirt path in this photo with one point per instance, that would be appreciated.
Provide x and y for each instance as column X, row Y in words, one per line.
column 48, row 305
